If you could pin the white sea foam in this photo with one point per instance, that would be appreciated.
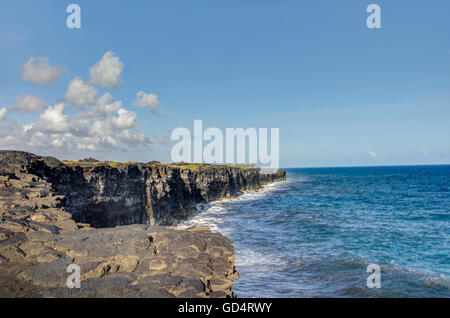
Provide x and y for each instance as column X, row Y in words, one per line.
column 214, row 214
column 441, row 282
column 250, row 258
column 209, row 213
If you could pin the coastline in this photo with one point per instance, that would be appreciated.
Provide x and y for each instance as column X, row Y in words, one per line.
column 203, row 207
column 42, row 233
column 316, row 234
column 191, row 222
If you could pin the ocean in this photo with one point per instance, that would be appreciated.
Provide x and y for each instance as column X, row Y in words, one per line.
column 315, row 234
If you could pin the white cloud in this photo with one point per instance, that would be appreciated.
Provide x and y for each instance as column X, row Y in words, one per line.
column 39, row 71
column 29, row 104
column 99, row 124
column 27, row 127
column 372, row 154
column 104, row 127
column 54, row 120
column 106, row 105
column 107, row 72
column 80, row 94
column 124, row 119
column 3, row 113
column 148, row 101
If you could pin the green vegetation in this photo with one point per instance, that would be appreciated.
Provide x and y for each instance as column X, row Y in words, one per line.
column 96, row 163
column 197, row 166
column 191, row 167
column 243, row 166
column 181, row 165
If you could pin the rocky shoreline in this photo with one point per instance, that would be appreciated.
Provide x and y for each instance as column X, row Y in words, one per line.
column 113, row 220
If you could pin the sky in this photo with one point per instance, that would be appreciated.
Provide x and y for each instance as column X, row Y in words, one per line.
column 340, row 93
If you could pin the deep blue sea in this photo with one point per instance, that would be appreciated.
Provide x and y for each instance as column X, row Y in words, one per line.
column 315, row 234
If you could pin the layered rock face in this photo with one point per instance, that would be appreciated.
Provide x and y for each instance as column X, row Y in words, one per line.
column 47, row 209
column 104, row 195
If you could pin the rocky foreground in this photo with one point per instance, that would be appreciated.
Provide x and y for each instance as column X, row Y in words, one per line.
column 54, row 214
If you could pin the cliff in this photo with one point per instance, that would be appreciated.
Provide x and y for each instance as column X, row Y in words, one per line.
column 105, row 194
column 50, row 211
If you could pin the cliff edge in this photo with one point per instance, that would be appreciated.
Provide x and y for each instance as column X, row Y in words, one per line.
column 56, row 213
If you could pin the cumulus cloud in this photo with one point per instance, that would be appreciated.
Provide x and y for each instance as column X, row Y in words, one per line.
column 106, row 105
column 79, row 93
column 124, row 119
column 99, row 124
column 39, row 71
column 107, row 72
column 29, row 104
column 101, row 127
column 147, row 101
column 3, row 113
column 372, row 154
column 54, row 120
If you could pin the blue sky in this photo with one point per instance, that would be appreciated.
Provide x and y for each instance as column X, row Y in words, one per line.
column 341, row 94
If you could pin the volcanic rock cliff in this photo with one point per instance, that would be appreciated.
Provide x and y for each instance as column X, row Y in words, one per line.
column 106, row 195
column 49, row 211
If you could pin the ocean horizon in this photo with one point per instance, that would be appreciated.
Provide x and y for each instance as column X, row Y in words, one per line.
column 367, row 166
column 315, row 234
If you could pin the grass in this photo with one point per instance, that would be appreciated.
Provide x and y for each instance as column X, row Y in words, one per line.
column 190, row 167
column 96, row 163
column 181, row 165
column 197, row 166
column 244, row 166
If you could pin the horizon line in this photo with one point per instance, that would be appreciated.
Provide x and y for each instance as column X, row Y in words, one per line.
column 371, row 166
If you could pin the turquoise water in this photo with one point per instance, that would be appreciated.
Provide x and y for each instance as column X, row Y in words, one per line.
column 315, row 235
